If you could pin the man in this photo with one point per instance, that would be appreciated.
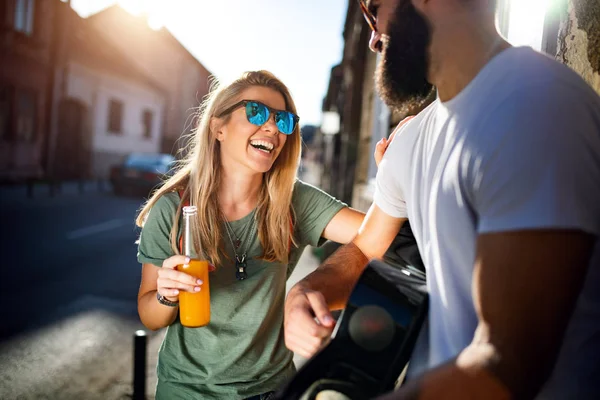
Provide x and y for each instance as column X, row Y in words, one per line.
column 500, row 178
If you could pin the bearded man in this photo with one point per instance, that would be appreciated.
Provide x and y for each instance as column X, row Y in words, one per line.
column 500, row 179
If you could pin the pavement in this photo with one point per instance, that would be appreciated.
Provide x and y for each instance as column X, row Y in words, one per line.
column 68, row 285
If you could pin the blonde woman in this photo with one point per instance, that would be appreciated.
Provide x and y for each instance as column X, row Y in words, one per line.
column 241, row 175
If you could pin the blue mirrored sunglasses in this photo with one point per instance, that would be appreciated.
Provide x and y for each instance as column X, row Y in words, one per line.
column 259, row 113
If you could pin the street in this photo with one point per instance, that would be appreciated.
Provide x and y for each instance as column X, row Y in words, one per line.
column 68, row 287
column 68, row 290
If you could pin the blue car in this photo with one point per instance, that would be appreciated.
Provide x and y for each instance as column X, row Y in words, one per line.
column 140, row 173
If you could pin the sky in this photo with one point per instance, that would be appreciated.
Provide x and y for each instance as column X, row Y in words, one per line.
column 298, row 40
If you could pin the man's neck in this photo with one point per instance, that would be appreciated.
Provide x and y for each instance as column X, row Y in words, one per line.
column 459, row 54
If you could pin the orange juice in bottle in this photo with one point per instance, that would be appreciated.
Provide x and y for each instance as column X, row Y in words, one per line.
column 194, row 308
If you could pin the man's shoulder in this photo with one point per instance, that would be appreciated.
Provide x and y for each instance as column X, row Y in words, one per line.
column 525, row 70
column 407, row 134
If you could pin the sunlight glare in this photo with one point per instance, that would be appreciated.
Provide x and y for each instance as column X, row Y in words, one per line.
column 135, row 7
column 159, row 12
column 526, row 26
column 155, row 22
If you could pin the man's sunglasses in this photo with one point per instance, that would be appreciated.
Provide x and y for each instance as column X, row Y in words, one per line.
column 369, row 17
column 259, row 113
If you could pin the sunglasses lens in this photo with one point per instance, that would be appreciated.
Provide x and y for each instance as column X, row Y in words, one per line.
column 285, row 122
column 256, row 113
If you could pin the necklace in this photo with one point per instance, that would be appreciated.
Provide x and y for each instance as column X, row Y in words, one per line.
column 240, row 258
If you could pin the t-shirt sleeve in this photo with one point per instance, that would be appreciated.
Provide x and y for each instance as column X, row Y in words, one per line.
column 388, row 195
column 538, row 166
column 314, row 209
column 154, row 244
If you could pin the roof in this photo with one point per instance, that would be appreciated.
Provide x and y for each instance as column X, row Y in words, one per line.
column 89, row 45
column 116, row 11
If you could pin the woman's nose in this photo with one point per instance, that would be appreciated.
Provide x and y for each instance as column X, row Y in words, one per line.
column 270, row 125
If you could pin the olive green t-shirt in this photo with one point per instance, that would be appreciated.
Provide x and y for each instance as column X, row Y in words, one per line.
column 241, row 352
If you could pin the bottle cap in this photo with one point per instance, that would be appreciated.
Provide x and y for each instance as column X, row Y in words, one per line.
column 190, row 210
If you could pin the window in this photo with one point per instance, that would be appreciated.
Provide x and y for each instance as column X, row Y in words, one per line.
column 4, row 113
column 24, row 11
column 147, row 117
column 25, row 114
column 115, row 116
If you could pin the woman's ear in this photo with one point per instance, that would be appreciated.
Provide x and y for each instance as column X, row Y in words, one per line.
column 215, row 128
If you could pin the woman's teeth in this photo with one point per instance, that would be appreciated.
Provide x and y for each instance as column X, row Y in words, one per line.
column 262, row 145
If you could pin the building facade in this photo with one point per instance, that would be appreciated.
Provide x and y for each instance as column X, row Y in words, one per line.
column 31, row 39
column 109, row 109
column 165, row 60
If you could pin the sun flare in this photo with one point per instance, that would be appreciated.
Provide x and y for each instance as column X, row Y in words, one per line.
column 526, row 22
column 158, row 12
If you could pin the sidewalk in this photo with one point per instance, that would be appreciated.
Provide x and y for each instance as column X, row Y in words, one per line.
column 307, row 263
column 45, row 190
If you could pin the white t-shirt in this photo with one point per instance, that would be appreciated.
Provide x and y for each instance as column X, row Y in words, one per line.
column 518, row 148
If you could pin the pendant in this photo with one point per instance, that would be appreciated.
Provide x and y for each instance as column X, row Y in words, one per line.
column 240, row 268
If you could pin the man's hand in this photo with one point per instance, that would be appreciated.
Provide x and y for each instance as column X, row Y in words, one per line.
column 303, row 334
column 330, row 285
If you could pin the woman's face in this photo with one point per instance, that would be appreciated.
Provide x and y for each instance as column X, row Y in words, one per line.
column 249, row 147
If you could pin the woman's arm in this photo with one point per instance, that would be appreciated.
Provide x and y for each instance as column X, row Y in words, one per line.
column 343, row 227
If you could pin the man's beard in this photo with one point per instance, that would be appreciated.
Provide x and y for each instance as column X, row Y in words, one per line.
column 401, row 77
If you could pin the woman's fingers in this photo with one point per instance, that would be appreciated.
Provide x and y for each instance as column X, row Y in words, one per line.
column 169, row 284
column 174, row 261
column 170, row 294
column 380, row 148
column 382, row 145
column 178, row 276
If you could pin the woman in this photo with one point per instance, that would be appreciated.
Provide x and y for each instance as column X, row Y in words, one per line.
column 241, row 174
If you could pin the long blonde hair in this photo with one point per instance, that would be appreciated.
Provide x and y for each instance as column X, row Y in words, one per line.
column 199, row 176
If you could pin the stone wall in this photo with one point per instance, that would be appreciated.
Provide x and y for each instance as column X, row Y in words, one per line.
column 579, row 40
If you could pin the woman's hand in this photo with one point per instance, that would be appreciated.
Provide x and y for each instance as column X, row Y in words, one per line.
column 171, row 282
column 383, row 144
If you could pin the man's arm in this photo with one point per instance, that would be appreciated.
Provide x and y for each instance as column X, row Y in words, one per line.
column 330, row 285
column 525, row 285
column 338, row 274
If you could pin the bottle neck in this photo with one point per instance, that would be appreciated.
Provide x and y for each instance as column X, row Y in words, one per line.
column 190, row 218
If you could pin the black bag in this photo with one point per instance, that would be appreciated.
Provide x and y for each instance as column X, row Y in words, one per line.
column 374, row 337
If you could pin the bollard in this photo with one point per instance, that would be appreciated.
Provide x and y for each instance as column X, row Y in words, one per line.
column 139, row 365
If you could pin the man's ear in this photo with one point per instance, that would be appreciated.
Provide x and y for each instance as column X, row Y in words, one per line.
column 215, row 128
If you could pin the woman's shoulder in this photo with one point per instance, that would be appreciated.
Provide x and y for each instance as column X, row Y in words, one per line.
column 306, row 194
column 166, row 204
column 302, row 188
